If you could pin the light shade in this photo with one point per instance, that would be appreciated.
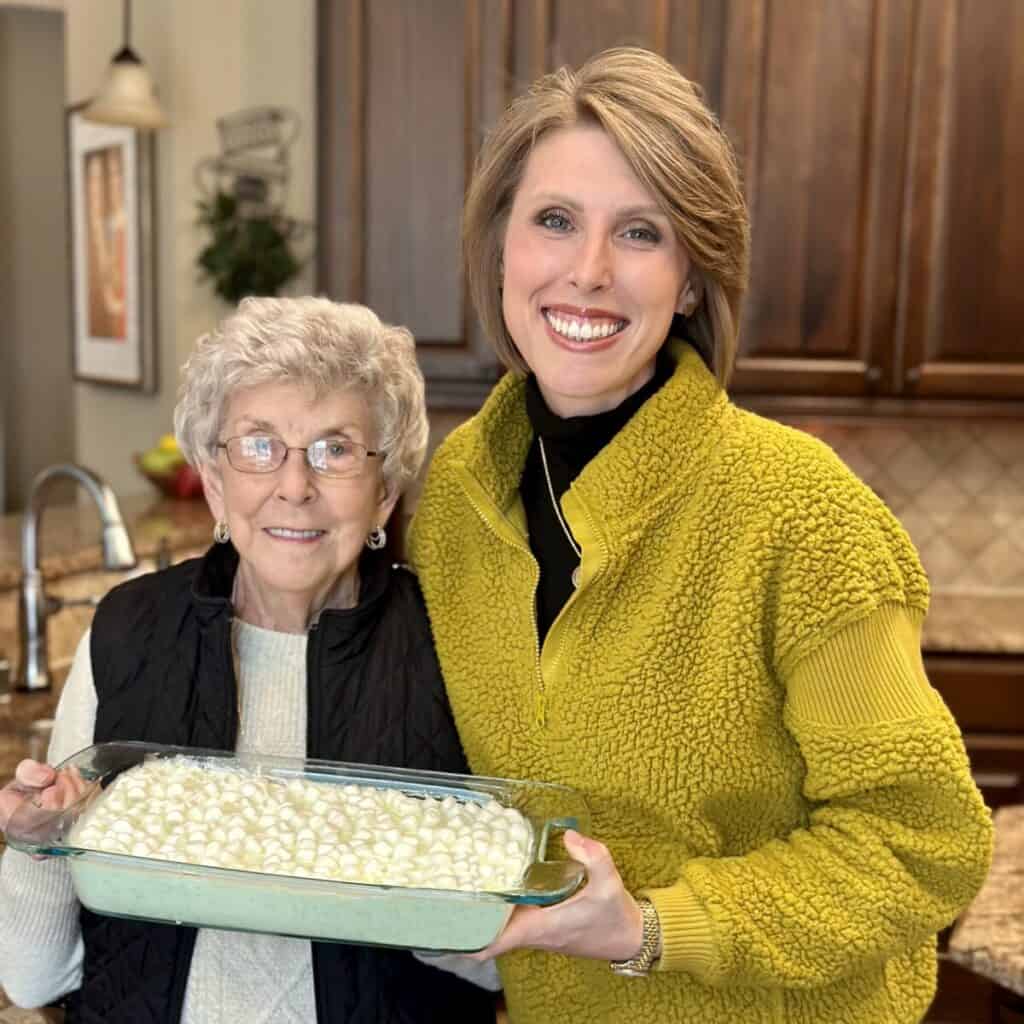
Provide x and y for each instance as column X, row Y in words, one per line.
column 127, row 95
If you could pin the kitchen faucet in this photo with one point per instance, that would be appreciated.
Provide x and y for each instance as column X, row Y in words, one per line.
column 36, row 605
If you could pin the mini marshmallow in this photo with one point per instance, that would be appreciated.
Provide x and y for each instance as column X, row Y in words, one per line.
column 179, row 809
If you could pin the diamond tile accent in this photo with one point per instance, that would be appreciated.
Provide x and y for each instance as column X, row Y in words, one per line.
column 974, row 469
column 1004, row 441
column 970, row 533
column 920, row 526
column 940, row 443
column 942, row 500
column 1000, row 562
column 883, row 443
column 913, row 467
column 1014, row 532
column 942, row 560
column 892, row 492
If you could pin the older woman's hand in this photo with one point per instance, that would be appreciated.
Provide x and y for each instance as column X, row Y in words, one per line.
column 602, row 921
column 51, row 789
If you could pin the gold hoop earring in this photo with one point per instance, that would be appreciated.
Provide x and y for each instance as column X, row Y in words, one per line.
column 221, row 532
column 377, row 538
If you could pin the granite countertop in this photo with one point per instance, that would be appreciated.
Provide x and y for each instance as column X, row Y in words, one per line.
column 989, row 938
column 70, row 534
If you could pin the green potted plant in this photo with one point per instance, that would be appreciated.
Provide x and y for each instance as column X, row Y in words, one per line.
column 249, row 254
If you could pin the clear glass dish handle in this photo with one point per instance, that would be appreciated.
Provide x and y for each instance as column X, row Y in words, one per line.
column 43, row 831
column 545, row 877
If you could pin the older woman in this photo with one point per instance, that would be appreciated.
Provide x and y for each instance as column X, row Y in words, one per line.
column 698, row 617
column 293, row 635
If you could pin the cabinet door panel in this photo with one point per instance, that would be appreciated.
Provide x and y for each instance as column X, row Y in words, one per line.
column 416, row 151
column 963, row 307
column 404, row 91
column 580, row 28
column 821, row 147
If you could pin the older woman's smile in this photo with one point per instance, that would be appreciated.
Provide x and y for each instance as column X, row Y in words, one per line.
column 289, row 534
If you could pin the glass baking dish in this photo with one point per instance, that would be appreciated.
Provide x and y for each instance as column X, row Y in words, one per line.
column 441, row 920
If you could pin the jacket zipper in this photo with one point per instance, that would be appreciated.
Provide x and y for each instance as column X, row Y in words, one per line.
column 556, row 632
column 539, row 699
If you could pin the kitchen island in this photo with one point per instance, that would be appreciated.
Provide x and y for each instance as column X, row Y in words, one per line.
column 989, row 938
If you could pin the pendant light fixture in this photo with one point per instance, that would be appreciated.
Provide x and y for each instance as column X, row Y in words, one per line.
column 127, row 96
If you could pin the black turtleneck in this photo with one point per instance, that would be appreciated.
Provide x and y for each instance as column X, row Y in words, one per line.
column 569, row 444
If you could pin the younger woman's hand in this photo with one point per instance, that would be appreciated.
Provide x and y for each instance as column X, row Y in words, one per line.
column 601, row 921
column 52, row 790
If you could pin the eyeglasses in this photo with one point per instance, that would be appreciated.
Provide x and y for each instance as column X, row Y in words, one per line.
column 336, row 457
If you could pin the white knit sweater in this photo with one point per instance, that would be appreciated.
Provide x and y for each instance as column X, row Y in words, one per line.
column 234, row 976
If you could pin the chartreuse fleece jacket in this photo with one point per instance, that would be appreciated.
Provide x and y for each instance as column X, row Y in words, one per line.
column 737, row 688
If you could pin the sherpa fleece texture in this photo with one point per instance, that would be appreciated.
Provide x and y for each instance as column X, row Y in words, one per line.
column 737, row 687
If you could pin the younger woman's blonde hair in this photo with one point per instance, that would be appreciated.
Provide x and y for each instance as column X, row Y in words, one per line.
column 675, row 147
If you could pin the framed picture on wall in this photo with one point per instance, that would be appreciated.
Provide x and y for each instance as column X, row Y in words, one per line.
column 110, row 178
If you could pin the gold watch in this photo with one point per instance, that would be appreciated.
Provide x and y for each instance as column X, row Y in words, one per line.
column 639, row 966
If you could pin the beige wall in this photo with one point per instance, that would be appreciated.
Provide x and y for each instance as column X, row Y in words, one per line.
column 36, row 409
column 208, row 59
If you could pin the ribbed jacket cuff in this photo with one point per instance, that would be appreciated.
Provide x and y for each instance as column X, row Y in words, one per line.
column 686, row 933
column 870, row 671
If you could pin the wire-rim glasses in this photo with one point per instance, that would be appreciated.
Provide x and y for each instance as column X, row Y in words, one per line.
column 334, row 457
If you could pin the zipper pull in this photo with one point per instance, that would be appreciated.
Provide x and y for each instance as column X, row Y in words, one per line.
column 539, row 710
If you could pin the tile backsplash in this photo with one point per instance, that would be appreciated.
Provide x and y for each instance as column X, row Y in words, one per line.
column 958, row 488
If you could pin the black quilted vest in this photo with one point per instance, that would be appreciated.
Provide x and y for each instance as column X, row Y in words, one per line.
column 162, row 664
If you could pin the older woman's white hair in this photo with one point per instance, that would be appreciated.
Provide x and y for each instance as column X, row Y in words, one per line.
column 327, row 346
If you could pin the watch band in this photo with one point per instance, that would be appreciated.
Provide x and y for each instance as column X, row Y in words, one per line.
column 639, row 966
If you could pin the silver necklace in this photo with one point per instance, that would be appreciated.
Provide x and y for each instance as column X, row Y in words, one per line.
column 558, row 512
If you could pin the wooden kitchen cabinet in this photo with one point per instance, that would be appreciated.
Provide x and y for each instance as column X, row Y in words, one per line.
column 986, row 697
column 961, row 331
column 815, row 98
column 880, row 145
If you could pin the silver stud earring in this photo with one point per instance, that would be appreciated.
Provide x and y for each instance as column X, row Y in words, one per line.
column 689, row 300
column 221, row 532
column 377, row 538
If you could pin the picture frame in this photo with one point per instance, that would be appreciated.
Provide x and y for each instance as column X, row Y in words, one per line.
column 111, row 212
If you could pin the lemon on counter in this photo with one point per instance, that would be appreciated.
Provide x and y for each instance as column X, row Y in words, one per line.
column 163, row 459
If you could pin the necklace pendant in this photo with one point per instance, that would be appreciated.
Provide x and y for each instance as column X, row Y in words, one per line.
column 576, row 577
